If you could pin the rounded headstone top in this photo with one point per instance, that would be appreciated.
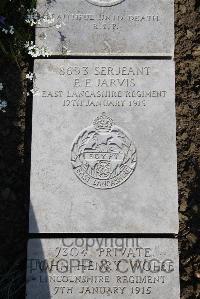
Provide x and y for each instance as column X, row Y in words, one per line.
column 105, row 2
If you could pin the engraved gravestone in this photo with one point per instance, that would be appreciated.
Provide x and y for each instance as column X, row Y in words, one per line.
column 106, row 27
column 104, row 147
column 101, row 268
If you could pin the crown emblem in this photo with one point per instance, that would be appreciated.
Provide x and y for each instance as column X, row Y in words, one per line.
column 103, row 123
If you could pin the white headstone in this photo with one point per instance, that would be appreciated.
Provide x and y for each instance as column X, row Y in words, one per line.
column 104, row 147
column 109, row 27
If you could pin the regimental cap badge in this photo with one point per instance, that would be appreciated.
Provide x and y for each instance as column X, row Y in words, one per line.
column 103, row 156
column 103, row 123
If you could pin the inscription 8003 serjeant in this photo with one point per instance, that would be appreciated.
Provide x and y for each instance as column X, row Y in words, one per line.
column 103, row 156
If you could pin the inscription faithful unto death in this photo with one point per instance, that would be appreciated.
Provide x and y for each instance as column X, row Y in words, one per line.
column 106, row 27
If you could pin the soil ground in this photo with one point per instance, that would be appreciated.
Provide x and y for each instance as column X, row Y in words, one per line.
column 15, row 132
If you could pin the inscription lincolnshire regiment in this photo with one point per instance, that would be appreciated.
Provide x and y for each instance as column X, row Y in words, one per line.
column 103, row 156
column 105, row 2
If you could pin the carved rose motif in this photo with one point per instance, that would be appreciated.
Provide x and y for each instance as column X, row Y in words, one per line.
column 103, row 169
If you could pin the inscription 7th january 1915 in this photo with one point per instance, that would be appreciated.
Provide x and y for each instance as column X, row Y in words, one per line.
column 103, row 268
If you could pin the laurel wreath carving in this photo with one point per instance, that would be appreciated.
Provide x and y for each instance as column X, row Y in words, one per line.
column 130, row 154
column 78, row 145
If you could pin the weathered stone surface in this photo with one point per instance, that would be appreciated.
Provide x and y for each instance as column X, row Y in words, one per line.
column 95, row 27
column 103, row 268
column 104, row 147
